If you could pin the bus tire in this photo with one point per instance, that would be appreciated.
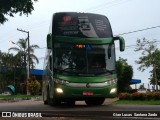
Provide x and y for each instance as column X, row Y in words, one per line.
column 45, row 101
column 94, row 101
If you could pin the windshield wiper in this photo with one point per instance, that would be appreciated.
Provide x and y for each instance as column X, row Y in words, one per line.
column 68, row 69
column 64, row 72
column 86, row 74
column 105, row 72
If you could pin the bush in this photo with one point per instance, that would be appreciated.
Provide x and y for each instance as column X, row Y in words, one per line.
column 33, row 86
column 140, row 96
column 156, row 95
column 122, row 96
column 149, row 95
column 128, row 96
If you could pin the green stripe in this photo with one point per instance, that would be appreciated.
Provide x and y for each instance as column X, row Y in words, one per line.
column 82, row 40
column 84, row 79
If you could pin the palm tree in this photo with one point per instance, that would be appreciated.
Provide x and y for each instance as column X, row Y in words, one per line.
column 22, row 57
column 22, row 53
column 33, row 57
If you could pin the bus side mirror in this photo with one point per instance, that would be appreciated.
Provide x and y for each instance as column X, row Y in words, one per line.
column 49, row 41
column 121, row 42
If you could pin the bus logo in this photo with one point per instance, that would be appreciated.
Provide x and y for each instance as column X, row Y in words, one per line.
column 67, row 18
column 88, row 85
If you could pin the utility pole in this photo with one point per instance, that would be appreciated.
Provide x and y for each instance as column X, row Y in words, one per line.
column 28, row 60
column 155, row 75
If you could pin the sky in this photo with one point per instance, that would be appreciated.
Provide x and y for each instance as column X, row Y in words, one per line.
column 124, row 16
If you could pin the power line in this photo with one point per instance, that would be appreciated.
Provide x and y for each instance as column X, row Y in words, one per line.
column 139, row 30
column 106, row 5
column 131, row 46
column 99, row 6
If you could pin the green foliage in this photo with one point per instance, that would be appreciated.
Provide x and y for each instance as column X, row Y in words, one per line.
column 124, row 74
column 6, row 59
column 150, row 58
column 138, row 102
column 19, row 96
column 11, row 7
column 22, row 53
column 14, row 66
column 9, row 68
column 33, row 86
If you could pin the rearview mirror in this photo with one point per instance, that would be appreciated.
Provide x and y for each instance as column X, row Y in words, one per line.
column 49, row 41
column 121, row 42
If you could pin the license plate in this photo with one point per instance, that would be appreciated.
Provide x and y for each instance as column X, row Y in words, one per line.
column 88, row 93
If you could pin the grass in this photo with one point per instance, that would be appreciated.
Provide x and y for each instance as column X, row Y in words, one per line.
column 17, row 96
column 138, row 102
column 129, row 102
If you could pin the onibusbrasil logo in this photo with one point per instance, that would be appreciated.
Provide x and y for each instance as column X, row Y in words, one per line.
column 21, row 114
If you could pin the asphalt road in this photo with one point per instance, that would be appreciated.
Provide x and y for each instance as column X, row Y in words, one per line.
column 80, row 111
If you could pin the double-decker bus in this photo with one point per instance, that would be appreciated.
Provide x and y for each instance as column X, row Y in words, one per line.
column 80, row 59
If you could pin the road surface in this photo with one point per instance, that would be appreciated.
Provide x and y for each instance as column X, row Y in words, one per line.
column 79, row 111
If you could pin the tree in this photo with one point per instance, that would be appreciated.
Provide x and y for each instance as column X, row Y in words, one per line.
column 6, row 69
column 33, row 59
column 22, row 52
column 22, row 57
column 155, row 77
column 11, row 7
column 150, row 57
column 124, row 74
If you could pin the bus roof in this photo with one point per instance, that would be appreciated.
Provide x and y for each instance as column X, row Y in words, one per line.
column 75, row 24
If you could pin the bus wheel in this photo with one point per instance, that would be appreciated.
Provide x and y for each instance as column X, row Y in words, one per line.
column 94, row 101
column 48, row 101
column 45, row 101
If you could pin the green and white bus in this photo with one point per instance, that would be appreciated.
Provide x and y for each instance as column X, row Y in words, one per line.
column 80, row 59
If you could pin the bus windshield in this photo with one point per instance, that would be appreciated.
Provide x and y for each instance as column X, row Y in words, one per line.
column 84, row 59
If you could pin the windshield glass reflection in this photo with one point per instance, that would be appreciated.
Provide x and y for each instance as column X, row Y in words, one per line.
column 84, row 59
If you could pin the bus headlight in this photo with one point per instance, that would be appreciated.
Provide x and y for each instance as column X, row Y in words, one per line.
column 113, row 90
column 59, row 90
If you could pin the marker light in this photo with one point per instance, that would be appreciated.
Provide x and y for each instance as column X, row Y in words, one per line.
column 59, row 90
column 110, row 82
column 80, row 46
